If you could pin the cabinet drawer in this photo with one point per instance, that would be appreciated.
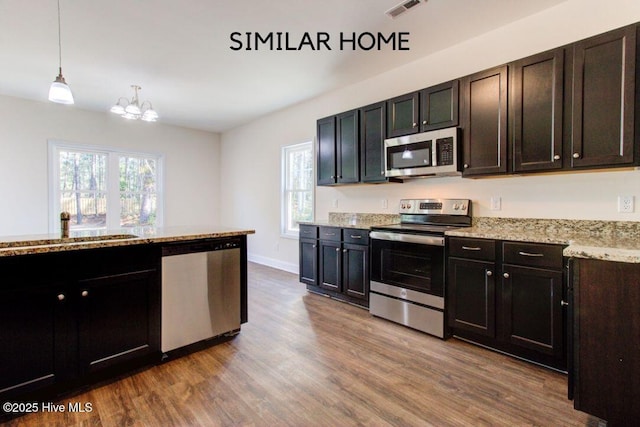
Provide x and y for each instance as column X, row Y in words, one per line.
column 308, row 231
column 533, row 254
column 330, row 233
column 472, row 248
column 354, row 235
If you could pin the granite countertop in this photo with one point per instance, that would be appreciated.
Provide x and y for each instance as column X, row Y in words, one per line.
column 355, row 220
column 91, row 239
column 602, row 240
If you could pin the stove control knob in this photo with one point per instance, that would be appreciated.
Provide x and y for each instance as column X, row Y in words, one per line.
column 402, row 206
column 463, row 207
column 456, row 206
column 409, row 206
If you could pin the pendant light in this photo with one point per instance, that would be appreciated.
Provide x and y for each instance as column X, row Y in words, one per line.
column 59, row 91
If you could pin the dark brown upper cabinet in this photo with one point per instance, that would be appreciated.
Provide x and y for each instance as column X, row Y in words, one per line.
column 484, row 122
column 372, row 135
column 338, row 149
column 604, row 94
column 536, row 96
column 439, row 106
column 402, row 115
column 347, row 140
column 326, row 151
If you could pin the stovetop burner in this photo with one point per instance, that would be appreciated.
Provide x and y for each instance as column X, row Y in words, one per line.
column 430, row 216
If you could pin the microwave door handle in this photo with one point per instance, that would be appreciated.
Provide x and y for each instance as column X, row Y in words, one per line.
column 434, row 152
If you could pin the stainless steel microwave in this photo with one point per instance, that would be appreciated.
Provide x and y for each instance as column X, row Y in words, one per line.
column 434, row 153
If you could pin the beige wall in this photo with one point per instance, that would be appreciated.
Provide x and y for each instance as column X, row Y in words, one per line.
column 251, row 153
column 192, row 160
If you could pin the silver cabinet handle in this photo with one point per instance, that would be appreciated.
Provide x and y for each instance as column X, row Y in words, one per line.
column 576, row 155
column 556, row 157
column 344, row 251
column 489, row 273
column 564, row 303
column 415, row 124
column 329, row 234
column 424, row 122
column 356, row 237
column 530, row 254
column 471, row 248
column 337, row 249
column 85, row 293
column 61, row 297
column 505, row 275
column 313, row 246
column 466, row 165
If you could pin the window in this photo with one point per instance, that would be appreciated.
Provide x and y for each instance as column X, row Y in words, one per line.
column 103, row 188
column 297, row 187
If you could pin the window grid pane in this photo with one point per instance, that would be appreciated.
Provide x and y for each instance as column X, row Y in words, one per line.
column 297, row 186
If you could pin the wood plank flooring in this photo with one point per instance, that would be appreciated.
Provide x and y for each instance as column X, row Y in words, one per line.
column 306, row 360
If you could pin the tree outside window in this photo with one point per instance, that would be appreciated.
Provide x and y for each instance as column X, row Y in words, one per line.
column 297, row 187
column 103, row 188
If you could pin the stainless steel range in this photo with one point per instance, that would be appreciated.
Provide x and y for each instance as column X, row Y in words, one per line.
column 408, row 263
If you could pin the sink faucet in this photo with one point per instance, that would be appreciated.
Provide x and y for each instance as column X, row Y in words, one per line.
column 64, row 224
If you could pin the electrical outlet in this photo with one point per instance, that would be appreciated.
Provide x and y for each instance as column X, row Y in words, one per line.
column 385, row 204
column 496, row 203
column 335, row 203
column 625, row 204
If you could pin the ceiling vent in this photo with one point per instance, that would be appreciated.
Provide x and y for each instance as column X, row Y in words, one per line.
column 398, row 10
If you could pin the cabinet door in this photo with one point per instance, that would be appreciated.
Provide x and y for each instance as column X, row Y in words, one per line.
column 119, row 319
column 330, row 266
column 30, row 337
column 536, row 102
column 607, row 332
column 402, row 115
column 471, row 296
column 603, row 99
column 348, row 147
column 532, row 309
column 439, row 106
column 355, row 270
column 484, row 124
column 372, row 135
column 326, row 151
column 309, row 261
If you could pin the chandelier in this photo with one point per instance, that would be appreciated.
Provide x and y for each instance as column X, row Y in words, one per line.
column 133, row 110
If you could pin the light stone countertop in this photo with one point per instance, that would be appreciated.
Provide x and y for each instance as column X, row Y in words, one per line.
column 43, row 243
column 602, row 240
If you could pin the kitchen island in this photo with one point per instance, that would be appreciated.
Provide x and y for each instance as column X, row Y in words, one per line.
column 86, row 308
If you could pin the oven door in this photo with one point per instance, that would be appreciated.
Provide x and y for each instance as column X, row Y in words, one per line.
column 408, row 261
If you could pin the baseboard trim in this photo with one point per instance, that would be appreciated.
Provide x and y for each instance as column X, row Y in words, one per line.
column 275, row 263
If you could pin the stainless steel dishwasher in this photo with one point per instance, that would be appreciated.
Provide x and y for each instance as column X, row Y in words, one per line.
column 200, row 291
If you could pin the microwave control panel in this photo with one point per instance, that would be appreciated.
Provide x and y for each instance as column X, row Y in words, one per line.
column 445, row 151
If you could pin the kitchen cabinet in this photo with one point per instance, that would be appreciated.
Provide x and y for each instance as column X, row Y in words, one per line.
column 439, row 106
column 471, row 288
column 342, row 264
column 308, row 254
column 70, row 318
column 508, row 296
column 606, row 329
column 403, row 114
column 604, row 99
column 484, row 122
column 326, row 151
column 338, row 149
column 536, row 102
column 373, row 131
column 435, row 107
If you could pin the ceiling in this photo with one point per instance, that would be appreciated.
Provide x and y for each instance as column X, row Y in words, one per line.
column 179, row 51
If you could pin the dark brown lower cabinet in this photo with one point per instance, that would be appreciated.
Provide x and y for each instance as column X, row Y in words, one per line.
column 606, row 356
column 337, row 264
column 70, row 318
column 508, row 296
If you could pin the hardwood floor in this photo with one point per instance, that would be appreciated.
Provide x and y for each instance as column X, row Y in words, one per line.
column 306, row 360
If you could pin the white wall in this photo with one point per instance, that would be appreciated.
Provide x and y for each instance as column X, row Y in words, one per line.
column 192, row 161
column 251, row 153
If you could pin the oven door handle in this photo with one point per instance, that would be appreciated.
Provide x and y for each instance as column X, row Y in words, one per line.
column 407, row 238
